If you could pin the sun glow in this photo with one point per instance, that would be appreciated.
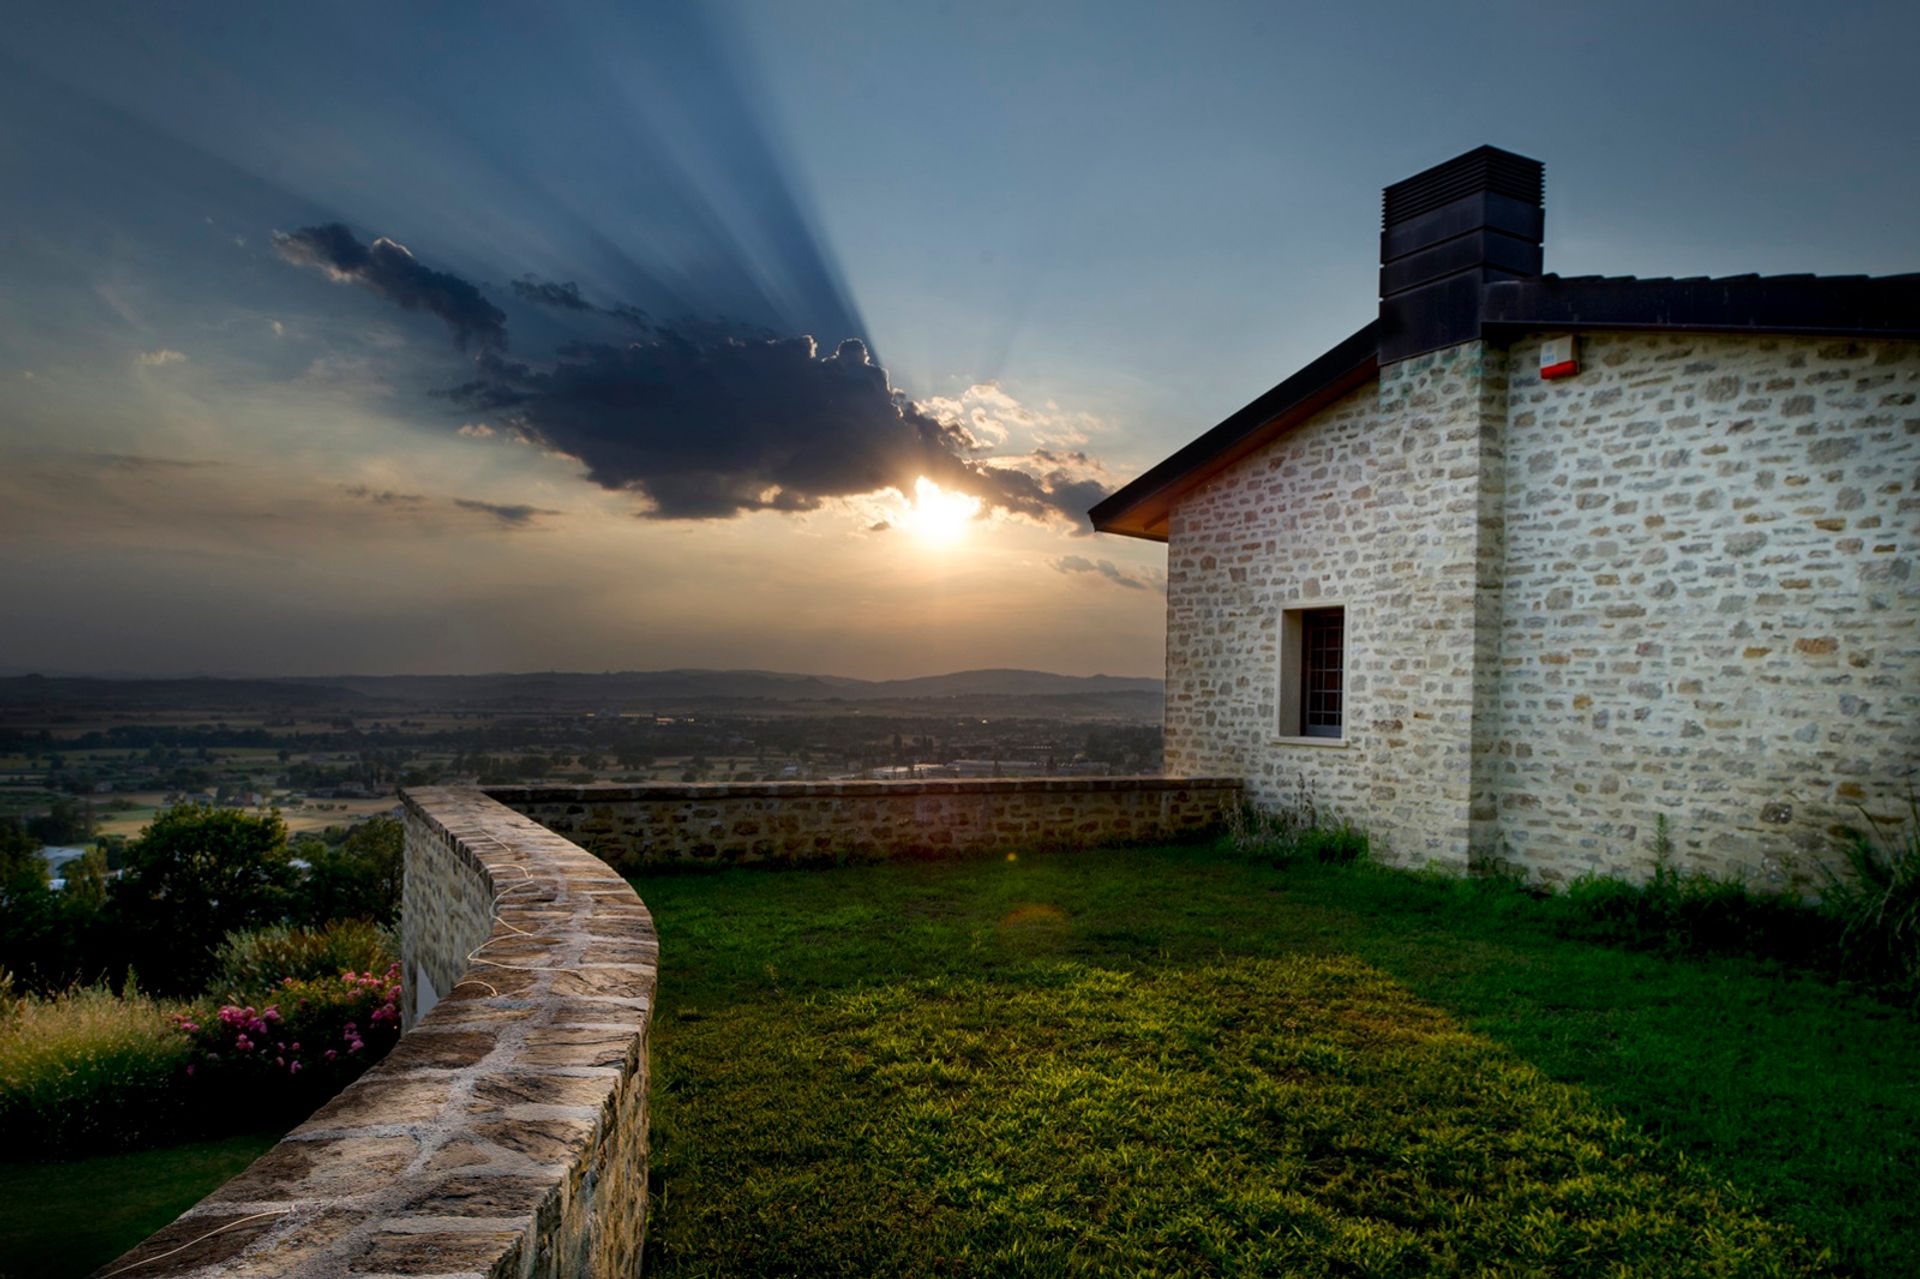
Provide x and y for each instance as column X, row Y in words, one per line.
column 938, row 515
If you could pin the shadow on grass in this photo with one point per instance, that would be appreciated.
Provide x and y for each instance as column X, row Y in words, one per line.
column 65, row 1219
column 1797, row 1094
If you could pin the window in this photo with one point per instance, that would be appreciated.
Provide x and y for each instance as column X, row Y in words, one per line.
column 1313, row 672
column 1322, row 667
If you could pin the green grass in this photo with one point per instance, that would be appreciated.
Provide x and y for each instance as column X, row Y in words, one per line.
column 1177, row 1061
column 63, row 1220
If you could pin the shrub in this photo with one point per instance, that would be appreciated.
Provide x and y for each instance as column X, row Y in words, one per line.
column 87, row 1069
column 197, row 873
column 1297, row 830
column 358, row 878
column 1694, row 912
column 252, row 965
column 1332, row 845
column 277, row 1060
column 1877, row 908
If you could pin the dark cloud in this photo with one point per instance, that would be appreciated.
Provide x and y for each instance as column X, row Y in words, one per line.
column 384, row 497
column 507, row 514
column 388, row 270
column 707, row 425
column 1105, row 568
column 514, row 515
column 562, row 297
column 566, row 296
column 705, row 419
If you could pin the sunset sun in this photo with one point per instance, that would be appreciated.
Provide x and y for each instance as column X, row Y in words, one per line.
column 937, row 515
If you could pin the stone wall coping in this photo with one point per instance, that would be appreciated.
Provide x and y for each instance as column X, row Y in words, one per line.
column 622, row 792
column 498, row 1137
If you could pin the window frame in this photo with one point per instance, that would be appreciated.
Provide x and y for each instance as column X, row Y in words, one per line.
column 1291, row 727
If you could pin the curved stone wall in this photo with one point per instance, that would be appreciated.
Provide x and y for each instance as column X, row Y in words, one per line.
column 506, row 1134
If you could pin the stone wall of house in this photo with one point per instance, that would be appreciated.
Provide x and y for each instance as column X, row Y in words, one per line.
column 506, row 1134
column 822, row 822
column 1679, row 583
column 1374, row 504
column 1711, row 610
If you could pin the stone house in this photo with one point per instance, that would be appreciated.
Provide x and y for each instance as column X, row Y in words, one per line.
column 1530, row 562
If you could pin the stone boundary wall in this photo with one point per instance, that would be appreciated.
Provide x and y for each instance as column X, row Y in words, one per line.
column 506, row 1134
column 802, row 823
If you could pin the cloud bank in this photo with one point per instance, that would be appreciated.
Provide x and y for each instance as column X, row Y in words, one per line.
column 1107, row 569
column 703, row 420
column 389, row 271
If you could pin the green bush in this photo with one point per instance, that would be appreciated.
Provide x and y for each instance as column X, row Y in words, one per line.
column 252, row 965
column 86, row 1069
column 358, row 878
column 1295, row 831
column 1332, row 845
column 1877, row 908
column 195, row 874
column 1866, row 925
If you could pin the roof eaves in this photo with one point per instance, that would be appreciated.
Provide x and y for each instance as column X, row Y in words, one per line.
column 1138, row 509
column 1833, row 305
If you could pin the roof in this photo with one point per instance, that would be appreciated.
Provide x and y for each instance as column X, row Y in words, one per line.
column 1840, row 305
column 1855, row 306
column 1140, row 509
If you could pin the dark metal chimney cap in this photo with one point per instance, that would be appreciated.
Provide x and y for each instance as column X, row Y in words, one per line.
column 1483, row 169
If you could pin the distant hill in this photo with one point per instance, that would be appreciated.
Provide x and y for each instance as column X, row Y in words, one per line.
column 159, row 694
column 999, row 692
column 566, row 688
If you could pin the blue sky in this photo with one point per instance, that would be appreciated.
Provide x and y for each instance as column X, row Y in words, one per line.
column 1073, row 235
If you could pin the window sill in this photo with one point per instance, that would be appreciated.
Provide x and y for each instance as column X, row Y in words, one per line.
column 1325, row 743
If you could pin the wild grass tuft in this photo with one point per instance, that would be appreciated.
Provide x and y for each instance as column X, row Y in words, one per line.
column 88, row 1069
column 1298, row 829
column 1877, row 906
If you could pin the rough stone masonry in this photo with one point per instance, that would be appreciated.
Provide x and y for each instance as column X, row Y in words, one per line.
column 506, row 1134
column 1680, row 584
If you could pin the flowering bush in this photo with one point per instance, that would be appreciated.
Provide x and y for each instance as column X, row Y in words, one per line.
column 312, row 1038
column 253, row 965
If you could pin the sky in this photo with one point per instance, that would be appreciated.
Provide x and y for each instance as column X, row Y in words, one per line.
column 482, row 337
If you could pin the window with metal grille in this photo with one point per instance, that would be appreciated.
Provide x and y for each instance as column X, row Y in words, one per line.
column 1322, row 671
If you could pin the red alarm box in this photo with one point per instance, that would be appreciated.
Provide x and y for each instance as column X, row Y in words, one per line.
column 1559, row 357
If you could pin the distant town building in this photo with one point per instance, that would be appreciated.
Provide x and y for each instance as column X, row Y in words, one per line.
column 1529, row 562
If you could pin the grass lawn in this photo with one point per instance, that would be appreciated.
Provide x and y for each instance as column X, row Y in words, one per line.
column 67, row 1219
column 1175, row 1061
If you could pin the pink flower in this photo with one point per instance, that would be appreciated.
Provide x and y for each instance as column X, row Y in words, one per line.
column 294, row 1069
column 243, row 1044
column 331, row 1054
column 189, row 1069
column 295, row 1048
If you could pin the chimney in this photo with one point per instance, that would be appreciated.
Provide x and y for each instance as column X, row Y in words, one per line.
column 1447, row 232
